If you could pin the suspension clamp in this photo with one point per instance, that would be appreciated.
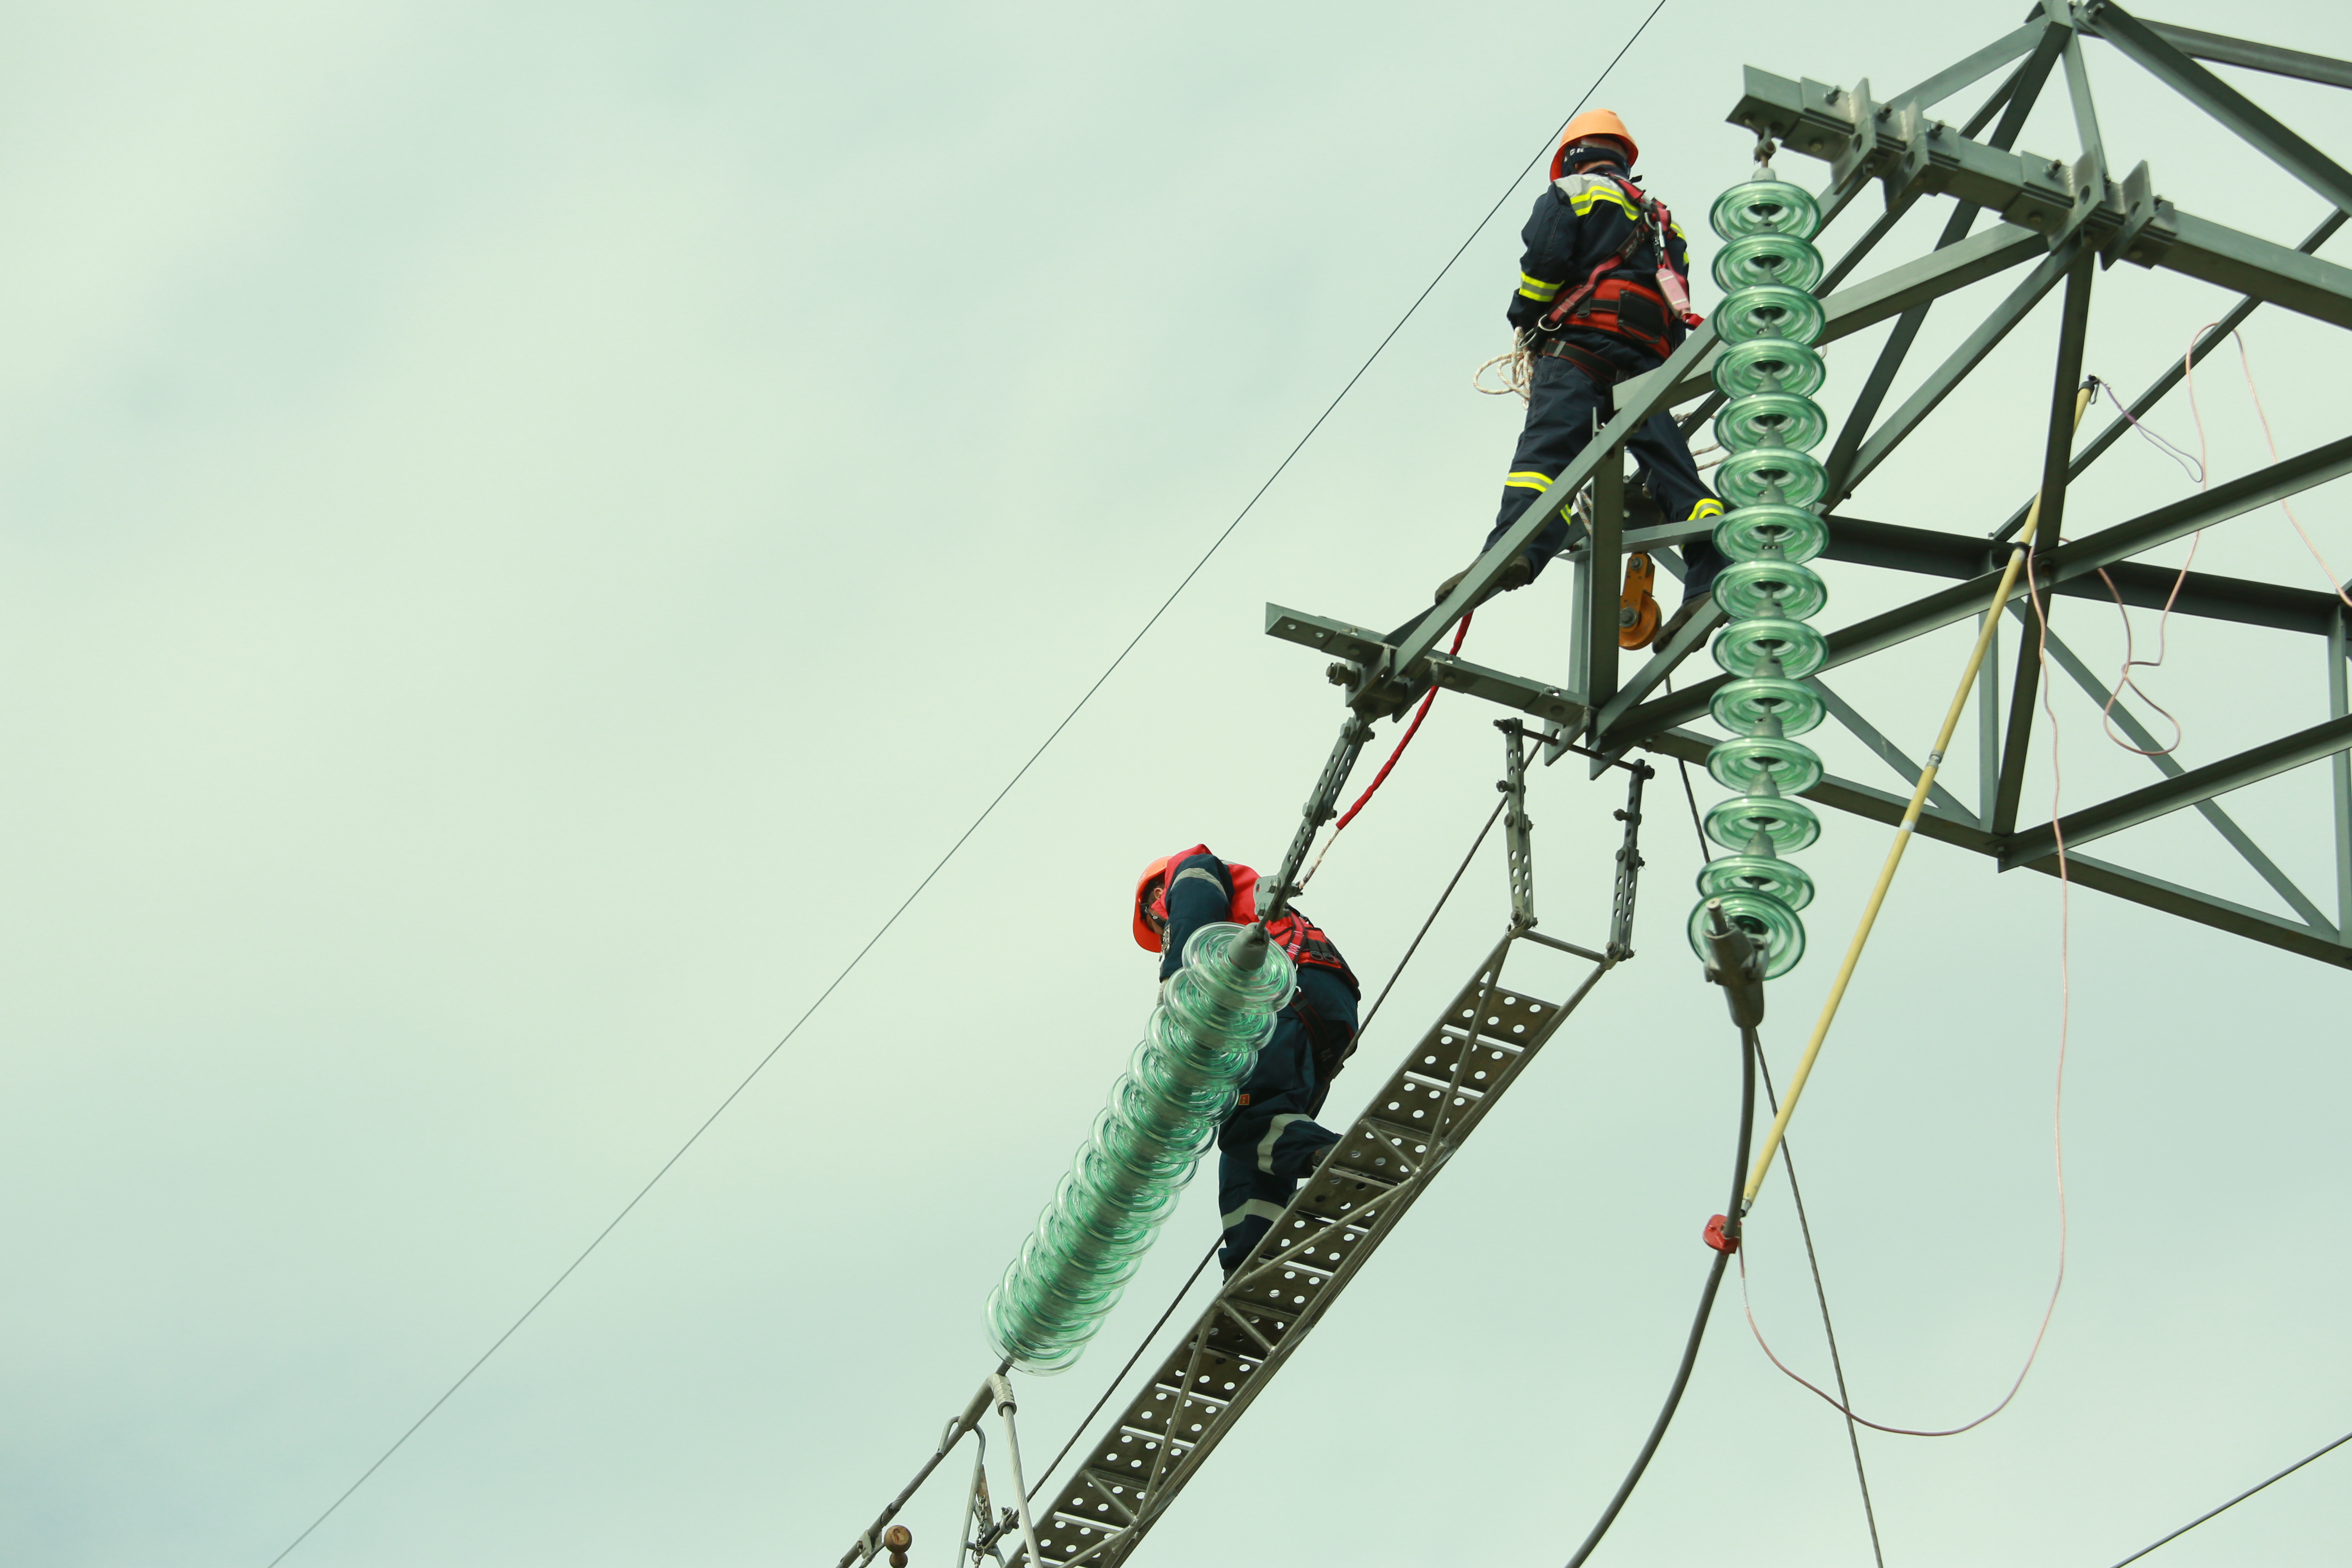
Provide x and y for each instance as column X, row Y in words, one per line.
column 1735, row 963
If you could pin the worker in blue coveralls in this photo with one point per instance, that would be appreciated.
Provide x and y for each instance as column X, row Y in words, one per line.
column 1271, row 1139
column 1604, row 296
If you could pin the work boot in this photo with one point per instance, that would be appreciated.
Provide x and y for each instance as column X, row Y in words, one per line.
column 1517, row 574
column 1702, row 605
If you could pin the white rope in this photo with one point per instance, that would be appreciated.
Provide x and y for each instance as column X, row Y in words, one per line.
column 1518, row 370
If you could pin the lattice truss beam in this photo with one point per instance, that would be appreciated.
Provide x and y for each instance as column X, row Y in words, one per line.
column 2055, row 223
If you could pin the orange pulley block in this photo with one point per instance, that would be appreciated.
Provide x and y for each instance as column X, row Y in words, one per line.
column 1637, row 613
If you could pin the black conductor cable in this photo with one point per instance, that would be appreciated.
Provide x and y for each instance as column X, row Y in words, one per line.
column 1747, row 1049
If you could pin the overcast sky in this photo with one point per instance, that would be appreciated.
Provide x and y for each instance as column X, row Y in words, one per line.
column 529, row 529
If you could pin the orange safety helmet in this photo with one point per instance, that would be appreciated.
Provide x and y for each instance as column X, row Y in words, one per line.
column 1146, row 938
column 1591, row 123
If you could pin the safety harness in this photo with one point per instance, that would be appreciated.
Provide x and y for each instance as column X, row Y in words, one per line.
column 1620, row 306
column 1298, row 936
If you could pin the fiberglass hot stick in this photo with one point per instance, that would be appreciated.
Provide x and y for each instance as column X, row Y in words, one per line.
column 1903, row 834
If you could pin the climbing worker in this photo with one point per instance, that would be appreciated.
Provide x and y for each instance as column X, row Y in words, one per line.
column 1604, row 296
column 1271, row 1139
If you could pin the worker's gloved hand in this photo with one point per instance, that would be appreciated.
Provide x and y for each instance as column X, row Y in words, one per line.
column 1517, row 574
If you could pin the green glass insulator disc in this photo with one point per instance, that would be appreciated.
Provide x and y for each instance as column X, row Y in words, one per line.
column 1765, row 874
column 1207, row 967
column 1787, row 259
column 1769, row 645
column 1771, row 419
column 1770, row 474
column 1769, row 310
column 1765, row 919
column 1772, row 530
column 1768, row 365
column 1784, row 589
column 1747, row 763
column 1790, row 825
column 1740, row 705
column 1765, row 207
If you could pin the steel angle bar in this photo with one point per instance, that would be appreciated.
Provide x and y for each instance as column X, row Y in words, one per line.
column 2217, row 98
column 1659, row 666
column 1832, row 204
column 1456, row 674
column 2078, row 558
column 1845, row 795
column 1604, row 561
column 1361, row 645
column 2086, row 116
column 2285, row 276
column 2065, row 401
column 2040, row 193
column 1634, row 410
column 1358, row 644
column 2025, row 81
column 1839, row 194
column 1989, row 728
column 1656, row 534
column 1974, row 68
column 1882, row 370
column 2024, row 87
column 2172, row 899
column 2169, row 898
column 1873, row 300
column 2244, row 52
column 2223, row 823
column 2213, row 338
column 1963, row 359
column 1865, row 542
column 2341, row 767
column 2126, row 811
column 1887, row 751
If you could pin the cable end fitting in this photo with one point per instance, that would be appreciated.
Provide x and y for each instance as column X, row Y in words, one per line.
column 1723, row 1234
column 1737, row 964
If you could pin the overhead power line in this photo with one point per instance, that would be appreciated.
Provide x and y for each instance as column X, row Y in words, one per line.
column 2236, row 1500
column 998, row 799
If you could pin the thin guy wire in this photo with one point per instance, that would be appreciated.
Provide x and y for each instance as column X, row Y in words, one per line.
column 1821, row 1294
column 1398, row 972
column 1706, row 855
column 2235, row 1501
column 986, row 811
column 1119, row 1376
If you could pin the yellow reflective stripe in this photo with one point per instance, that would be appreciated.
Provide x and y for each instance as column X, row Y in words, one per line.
column 1528, row 479
column 1583, row 201
column 1705, row 508
column 1537, row 289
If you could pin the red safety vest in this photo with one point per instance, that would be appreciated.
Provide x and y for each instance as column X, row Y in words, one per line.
column 1300, row 938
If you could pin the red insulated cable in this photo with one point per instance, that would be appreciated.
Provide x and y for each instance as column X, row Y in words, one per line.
column 1402, row 740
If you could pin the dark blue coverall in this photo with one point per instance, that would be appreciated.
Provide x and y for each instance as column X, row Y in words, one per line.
column 1579, row 221
column 1272, row 1138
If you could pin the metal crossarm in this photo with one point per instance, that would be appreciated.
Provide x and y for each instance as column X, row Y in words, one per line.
column 1475, row 1050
